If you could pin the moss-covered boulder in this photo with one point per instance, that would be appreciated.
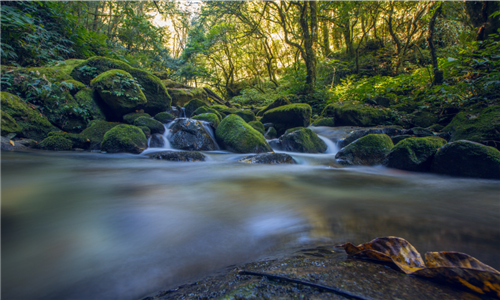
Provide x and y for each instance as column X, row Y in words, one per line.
column 414, row 154
column 187, row 156
column 96, row 131
column 271, row 133
column 86, row 100
column 398, row 138
column 419, row 132
column 368, row 151
column 357, row 115
column 192, row 106
column 467, row 159
column 158, row 99
column 154, row 125
column 235, row 135
column 479, row 125
column 246, row 115
column 354, row 135
column 424, row 118
column 124, row 138
column 120, row 92
column 206, row 109
column 9, row 125
column 131, row 117
column 223, row 109
column 277, row 103
column 146, row 130
column 67, row 66
column 181, row 96
column 324, row 122
column 33, row 124
column 288, row 116
column 73, row 86
column 164, row 117
column 56, row 143
column 303, row 140
column 208, row 117
column 258, row 126
column 269, row 158
column 188, row 134
column 78, row 140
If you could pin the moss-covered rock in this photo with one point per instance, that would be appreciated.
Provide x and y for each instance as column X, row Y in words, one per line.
column 414, row 154
column 67, row 66
column 398, row 138
column 246, row 115
column 154, row 125
column 9, row 125
column 146, row 130
column 419, row 132
column 33, row 124
column 188, row 156
column 467, row 159
column 223, row 109
column 288, row 116
column 208, row 117
column 124, row 138
column 73, row 86
column 181, row 96
column 164, row 117
column 131, row 117
column 389, row 130
column 188, row 134
column 369, row 150
column 424, row 118
column 120, row 92
column 56, row 143
column 236, row 135
column 303, row 140
column 78, row 140
column 324, row 122
column 269, row 158
column 271, row 133
column 86, row 100
column 96, row 131
column 277, row 103
column 357, row 115
column 479, row 125
column 206, row 109
column 158, row 99
column 435, row 127
column 258, row 126
column 192, row 106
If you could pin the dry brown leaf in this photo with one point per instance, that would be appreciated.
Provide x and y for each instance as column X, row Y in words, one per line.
column 12, row 143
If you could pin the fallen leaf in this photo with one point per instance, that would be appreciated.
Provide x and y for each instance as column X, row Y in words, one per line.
column 12, row 143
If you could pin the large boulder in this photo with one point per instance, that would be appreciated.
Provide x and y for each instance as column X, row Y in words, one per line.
column 208, row 117
column 181, row 96
column 303, row 140
column 277, row 103
column 369, row 150
column 288, row 116
column 86, row 99
column 206, row 109
column 9, row 125
column 120, row 92
column 192, row 106
column 164, row 117
column 56, row 143
column 178, row 156
column 467, row 159
column 389, row 130
column 187, row 134
column 154, row 125
column 156, row 94
column 330, row 122
column 78, row 140
column 96, row 131
column 124, row 138
column 414, row 154
column 356, row 115
column 33, row 124
column 235, row 135
column 478, row 126
column 269, row 158
column 258, row 126
column 131, row 117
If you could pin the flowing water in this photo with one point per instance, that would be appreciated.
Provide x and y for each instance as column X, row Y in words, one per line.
column 118, row 226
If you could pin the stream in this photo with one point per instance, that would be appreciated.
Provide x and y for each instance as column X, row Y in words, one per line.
column 81, row 225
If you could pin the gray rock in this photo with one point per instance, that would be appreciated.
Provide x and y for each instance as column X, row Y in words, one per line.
column 156, row 141
column 178, row 156
column 188, row 134
column 269, row 158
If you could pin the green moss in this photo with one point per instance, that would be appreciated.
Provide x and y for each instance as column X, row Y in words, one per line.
column 146, row 131
column 120, row 91
column 78, row 140
column 124, row 138
column 424, row 118
column 277, row 103
column 95, row 132
column 68, row 65
column 193, row 105
column 206, row 109
column 414, row 154
column 271, row 133
column 9, row 125
column 56, row 143
column 357, row 115
column 52, row 74
column 209, row 117
column 154, row 125
column 398, row 138
column 478, row 125
column 435, row 128
column 324, row 122
column 288, row 116
column 303, row 140
column 33, row 124
column 246, row 115
column 74, row 86
column 258, row 126
column 164, row 117
column 237, row 136
column 85, row 98
column 181, row 96
column 369, row 150
column 130, row 118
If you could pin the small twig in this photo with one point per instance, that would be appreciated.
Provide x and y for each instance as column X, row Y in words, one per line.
column 319, row 286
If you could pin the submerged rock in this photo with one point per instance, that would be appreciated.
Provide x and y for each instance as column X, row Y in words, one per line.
column 467, row 159
column 178, row 156
column 368, row 151
column 269, row 158
column 414, row 154
column 124, row 138
column 288, row 116
column 188, row 134
column 303, row 140
column 237, row 136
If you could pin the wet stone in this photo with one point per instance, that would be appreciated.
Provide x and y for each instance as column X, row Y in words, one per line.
column 268, row 158
column 188, row 134
column 178, row 156
column 156, row 141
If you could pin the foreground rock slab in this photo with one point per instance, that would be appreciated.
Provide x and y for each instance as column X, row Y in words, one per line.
column 178, row 156
column 269, row 158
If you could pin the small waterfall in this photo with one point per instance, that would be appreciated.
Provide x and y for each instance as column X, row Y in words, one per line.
column 332, row 146
column 209, row 130
column 165, row 136
column 182, row 113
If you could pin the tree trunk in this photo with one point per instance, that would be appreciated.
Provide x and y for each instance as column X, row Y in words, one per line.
column 309, row 33
column 438, row 75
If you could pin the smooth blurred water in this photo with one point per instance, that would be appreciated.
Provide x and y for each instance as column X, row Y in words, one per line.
column 102, row 226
